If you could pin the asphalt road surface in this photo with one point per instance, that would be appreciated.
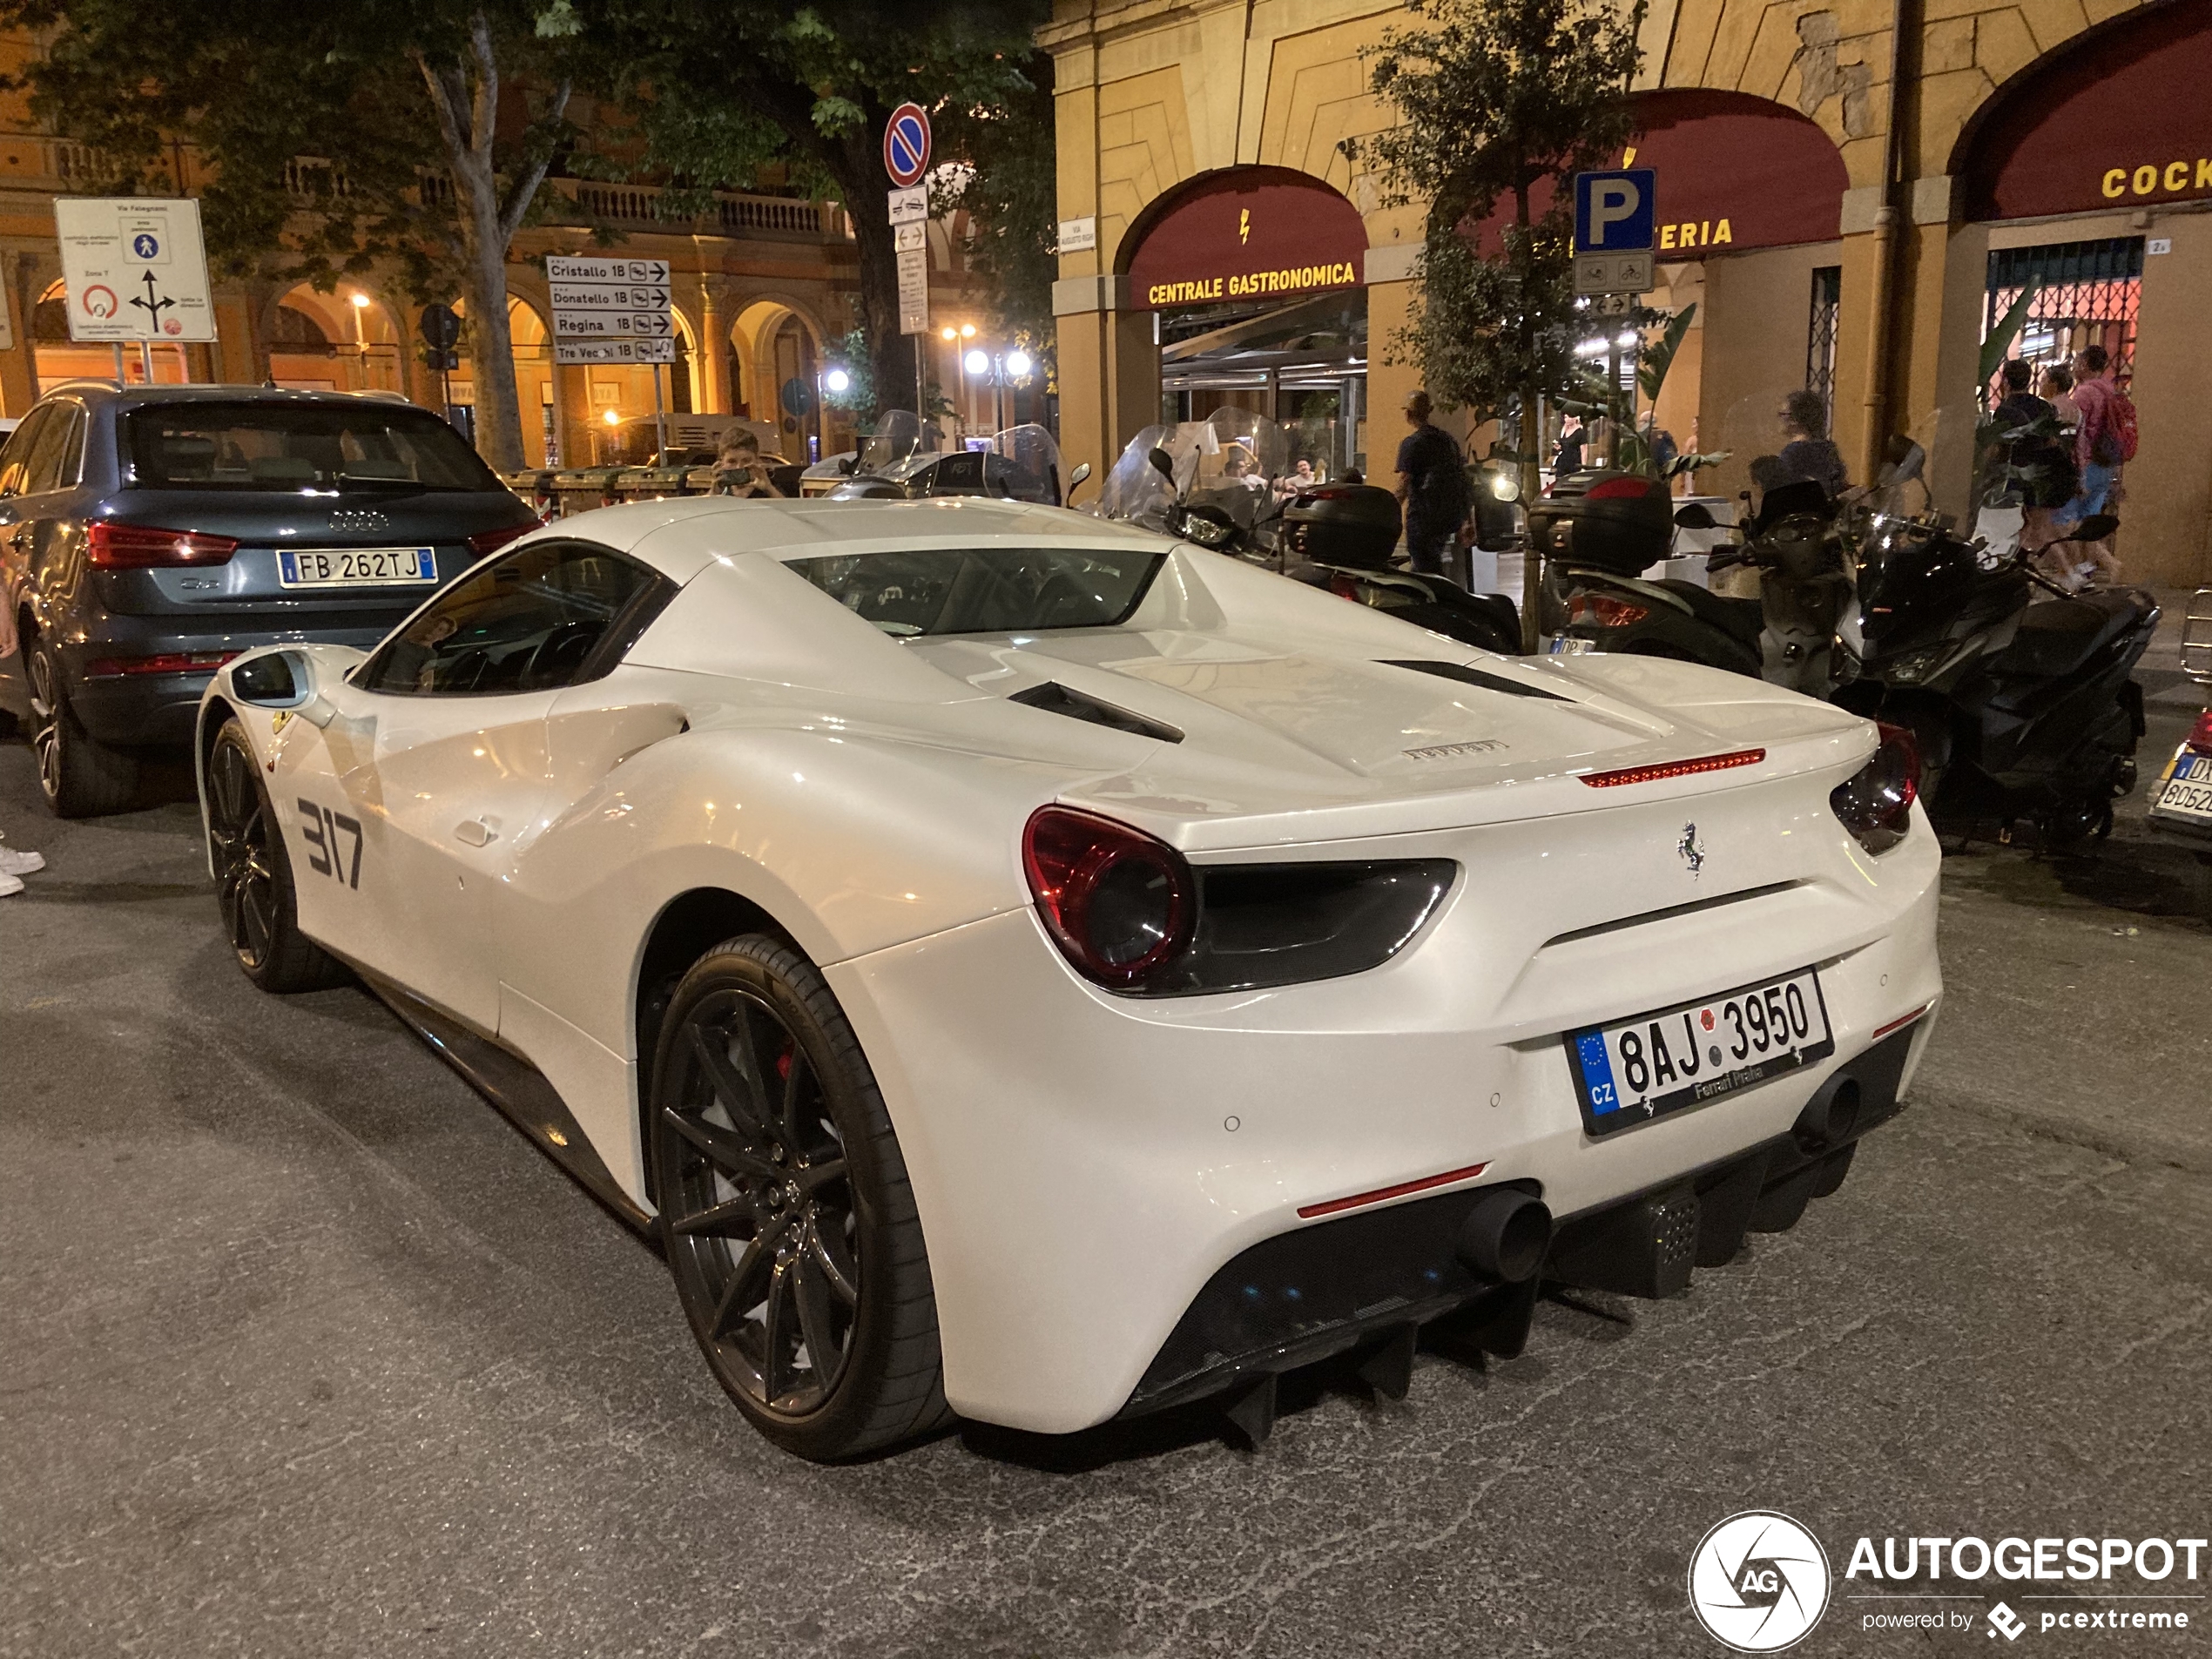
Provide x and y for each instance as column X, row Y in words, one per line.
column 304, row 1351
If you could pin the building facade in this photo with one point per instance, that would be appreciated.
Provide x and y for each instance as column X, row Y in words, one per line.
column 1850, row 193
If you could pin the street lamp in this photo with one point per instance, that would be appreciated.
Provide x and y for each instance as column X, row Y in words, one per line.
column 837, row 382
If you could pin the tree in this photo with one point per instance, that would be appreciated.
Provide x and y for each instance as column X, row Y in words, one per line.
column 1500, row 103
column 340, row 136
column 1008, row 183
column 719, row 91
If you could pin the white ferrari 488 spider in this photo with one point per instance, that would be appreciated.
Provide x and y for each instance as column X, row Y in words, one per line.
column 1029, row 969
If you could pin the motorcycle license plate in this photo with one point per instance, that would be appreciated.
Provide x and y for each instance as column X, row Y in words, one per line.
column 1633, row 1071
column 2189, row 788
column 357, row 567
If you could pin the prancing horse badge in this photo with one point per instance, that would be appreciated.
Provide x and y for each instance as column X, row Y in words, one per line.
column 1692, row 853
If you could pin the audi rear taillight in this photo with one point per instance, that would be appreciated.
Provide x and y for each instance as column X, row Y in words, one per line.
column 1875, row 803
column 485, row 541
column 1118, row 903
column 167, row 662
column 141, row 547
column 1603, row 610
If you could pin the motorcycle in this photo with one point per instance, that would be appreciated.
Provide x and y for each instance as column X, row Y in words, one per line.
column 2019, row 709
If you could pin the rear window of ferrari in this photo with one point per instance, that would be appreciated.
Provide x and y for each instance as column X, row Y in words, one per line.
column 987, row 591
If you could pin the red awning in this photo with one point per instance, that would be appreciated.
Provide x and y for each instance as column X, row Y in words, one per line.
column 1734, row 171
column 2123, row 117
column 1246, row 233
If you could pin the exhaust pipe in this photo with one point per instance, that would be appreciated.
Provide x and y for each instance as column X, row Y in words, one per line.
column 1829, row 1118
column 1506, row 1236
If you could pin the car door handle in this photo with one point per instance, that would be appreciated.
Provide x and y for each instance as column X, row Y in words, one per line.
column 477, row 832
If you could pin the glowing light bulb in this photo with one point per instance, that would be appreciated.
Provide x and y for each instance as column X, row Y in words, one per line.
column 1019, row 363
column 612, row 417
column 838, row 381
column 979, row 362
column 968, row 331
column 359, row 301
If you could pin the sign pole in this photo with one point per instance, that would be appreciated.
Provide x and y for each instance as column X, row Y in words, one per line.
column 660, row 422
column 145, row 359
column 118, row 363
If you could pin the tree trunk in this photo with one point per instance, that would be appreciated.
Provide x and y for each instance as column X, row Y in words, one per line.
column 1532, row 440
column 859, row 171
column 491, row 357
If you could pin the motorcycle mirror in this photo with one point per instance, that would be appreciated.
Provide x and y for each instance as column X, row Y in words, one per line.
column 1077, row 476
column 2094, row 528
column 1162, row 463
column 1905, row 457
column 1695, row 518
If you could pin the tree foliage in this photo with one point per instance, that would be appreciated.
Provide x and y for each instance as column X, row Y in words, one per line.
column 1496, row 100
column 1009, row 186
column 340, row 136
column 716, row 92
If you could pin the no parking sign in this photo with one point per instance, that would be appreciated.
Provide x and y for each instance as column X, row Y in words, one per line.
column 906, row 145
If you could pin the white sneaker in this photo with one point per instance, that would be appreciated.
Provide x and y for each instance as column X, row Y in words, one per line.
column 8, row 885
column 14, row 863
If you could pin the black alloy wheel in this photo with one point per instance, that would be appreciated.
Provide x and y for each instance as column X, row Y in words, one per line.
column 80, row 777
column 254, row 875
column 786, row 1211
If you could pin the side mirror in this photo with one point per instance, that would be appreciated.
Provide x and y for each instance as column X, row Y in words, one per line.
column 283, row 679
column 2094, row 528
column 1162, row 463
column 1696, row 518
column 1076, row 480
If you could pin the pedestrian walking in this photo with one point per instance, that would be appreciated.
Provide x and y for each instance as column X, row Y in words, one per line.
column 1431, row 487
column 1809, row 455
column 2104, row 442
column 2039, row 463
column 1567, row 457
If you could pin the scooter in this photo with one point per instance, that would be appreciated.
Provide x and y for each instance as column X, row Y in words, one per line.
column 2018, row 710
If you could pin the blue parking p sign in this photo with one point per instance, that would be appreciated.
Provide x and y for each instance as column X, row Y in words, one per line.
column 1613, row 212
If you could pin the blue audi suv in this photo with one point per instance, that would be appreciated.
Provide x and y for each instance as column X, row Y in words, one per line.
column 149, row 534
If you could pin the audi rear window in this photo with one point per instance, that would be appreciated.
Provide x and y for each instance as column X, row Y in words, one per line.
column 987, row 591
column 373, row 449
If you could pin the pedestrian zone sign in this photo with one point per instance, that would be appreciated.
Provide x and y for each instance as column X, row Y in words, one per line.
column 134, row 269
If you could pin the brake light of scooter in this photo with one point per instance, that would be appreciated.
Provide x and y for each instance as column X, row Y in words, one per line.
column 1875, row 803
column 2200, row 733
column 1603, row 610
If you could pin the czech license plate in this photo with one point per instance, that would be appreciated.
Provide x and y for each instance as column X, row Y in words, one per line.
column 356, row 567
column 1633, row 1071
column 2188, row 792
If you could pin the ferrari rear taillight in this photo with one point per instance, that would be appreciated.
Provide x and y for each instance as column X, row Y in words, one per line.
column 1603, row 610
column 1118, row 903
column 141, row 547
column 1875, row 803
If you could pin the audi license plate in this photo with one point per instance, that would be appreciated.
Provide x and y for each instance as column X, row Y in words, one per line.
column 2189, row 788
column 1635, row 1070
column 357, row 567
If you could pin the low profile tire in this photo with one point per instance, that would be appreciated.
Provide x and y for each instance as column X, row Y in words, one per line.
column 254, row 877
column 80, row 777
column 786, row 1209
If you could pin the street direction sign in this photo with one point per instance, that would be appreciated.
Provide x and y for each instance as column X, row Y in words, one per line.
column 441, row 326
column 611, row 310
column 574, row 296
column 1614, row 212
column 615, row 351
column 631, row 324
column 906, row 145
column 561, row 267
column 134, row 268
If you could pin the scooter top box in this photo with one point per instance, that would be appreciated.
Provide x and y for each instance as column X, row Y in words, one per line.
column 1355, row 525
column 1619, row 523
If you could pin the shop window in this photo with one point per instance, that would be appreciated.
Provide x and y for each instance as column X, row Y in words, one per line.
column 1820, row 331
column 2087, row 293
